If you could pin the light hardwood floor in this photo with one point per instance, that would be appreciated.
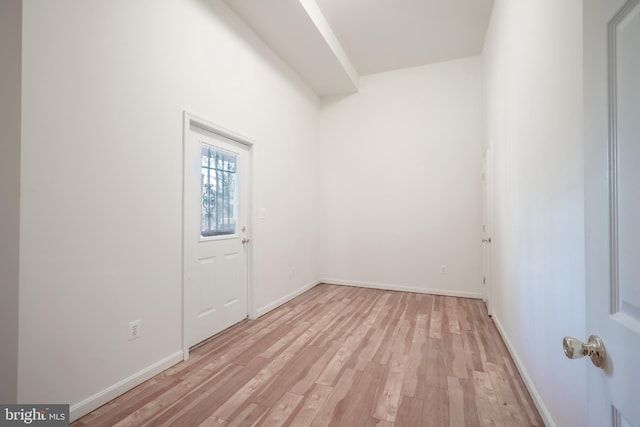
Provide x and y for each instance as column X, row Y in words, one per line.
column 340, row 355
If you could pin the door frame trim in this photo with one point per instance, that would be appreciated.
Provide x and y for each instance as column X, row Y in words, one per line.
column 189, row 120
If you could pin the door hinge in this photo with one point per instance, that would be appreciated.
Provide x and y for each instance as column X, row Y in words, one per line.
column 484, row 280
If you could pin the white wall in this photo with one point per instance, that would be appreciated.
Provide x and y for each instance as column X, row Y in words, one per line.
column 104, row 88
column 10, row 46
column 533, row 81
column 401, row 180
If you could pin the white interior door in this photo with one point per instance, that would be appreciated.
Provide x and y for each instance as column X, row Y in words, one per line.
column 612, row 170
column 216, row 176
column 486, row 229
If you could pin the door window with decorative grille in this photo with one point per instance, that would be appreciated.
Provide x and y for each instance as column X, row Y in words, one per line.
column 218, row 189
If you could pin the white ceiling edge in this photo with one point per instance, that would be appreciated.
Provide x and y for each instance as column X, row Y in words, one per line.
column 299, row 33
column 324, row 28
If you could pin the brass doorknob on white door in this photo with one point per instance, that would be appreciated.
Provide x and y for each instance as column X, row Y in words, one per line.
column 486, row 240
column 245, row 241
column 594, row 348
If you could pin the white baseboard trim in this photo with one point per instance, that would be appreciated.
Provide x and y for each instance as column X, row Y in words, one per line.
column 277, row 303
column 390, row 287
column 94, row 402
column 537, row 400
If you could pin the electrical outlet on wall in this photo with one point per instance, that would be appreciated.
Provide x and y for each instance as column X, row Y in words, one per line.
column 135, row 329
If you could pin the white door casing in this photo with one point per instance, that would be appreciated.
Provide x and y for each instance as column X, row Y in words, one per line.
column 612, row 206
column 215, row 267
column 487, row 203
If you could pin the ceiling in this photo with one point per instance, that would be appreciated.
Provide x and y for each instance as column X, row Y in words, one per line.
column 330, row 43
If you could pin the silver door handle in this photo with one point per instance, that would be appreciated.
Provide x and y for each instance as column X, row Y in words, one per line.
column 245, row 241
column 486, row 240
column 576, row 349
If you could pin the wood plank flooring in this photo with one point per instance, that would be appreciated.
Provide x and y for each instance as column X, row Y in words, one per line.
column 340, row 356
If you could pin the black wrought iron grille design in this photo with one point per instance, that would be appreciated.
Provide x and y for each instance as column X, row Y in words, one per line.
column 218, row 185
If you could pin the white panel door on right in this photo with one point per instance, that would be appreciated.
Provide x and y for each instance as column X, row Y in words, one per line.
column 612, row 206
column 215, row 234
